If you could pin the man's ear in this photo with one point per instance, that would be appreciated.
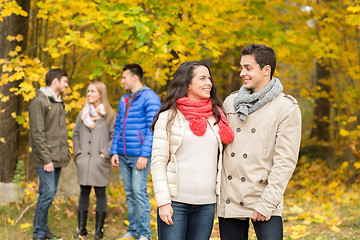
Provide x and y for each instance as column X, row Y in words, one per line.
column 54, row 81
column 267, row 70
column 135, row 78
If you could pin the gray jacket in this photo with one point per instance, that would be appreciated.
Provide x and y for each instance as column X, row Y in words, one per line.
column 47, row 118
column 93, row 170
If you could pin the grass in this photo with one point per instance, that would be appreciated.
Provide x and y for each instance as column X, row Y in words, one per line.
column 316, row 207
column 63, row 218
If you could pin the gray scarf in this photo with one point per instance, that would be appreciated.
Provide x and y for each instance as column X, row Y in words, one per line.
column 247, row 102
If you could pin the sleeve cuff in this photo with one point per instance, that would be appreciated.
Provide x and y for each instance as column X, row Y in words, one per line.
column 162, row 202
column 46, row 162
column 265, row 208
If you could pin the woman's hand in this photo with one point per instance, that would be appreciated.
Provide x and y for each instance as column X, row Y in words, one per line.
column 165, row 213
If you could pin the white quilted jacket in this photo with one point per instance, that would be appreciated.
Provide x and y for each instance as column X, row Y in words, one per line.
column 163, row 161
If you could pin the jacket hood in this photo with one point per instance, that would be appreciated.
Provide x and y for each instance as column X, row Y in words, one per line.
column 48, row 92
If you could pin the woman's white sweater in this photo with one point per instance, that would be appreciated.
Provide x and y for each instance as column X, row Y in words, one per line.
column 196, row 167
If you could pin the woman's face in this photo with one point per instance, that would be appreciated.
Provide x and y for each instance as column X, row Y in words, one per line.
column 93, row 95
column 200, row 85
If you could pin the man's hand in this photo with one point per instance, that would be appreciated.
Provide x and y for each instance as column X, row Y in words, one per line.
column 258, row 217
column 49, row 167
column 141, row 163
column 165, row 213
column 115, row 160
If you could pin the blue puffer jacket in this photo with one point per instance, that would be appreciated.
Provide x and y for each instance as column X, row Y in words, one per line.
column 132, row 136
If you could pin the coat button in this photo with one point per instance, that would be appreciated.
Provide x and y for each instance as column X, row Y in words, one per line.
column 238, row 130
column 241, row 204
column 243, row 179
column 89, row 142
column 261, row 181
column 88, row 153
column 227, row 201
column 89, row 130
column 244, row 155
column 233, row 154
column 253, row 130
column 229, row 177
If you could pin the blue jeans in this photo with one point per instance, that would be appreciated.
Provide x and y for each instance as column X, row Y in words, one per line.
column 191, row 222
column 48, row 183
column 231, row 229
column 137, row 199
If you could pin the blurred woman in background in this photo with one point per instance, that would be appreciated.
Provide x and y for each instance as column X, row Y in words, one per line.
column 92, row 139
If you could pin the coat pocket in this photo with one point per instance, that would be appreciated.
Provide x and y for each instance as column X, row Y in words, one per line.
column 141, row 140
column 77, row 155
column 103, row 165
column 263, row 181
column 54, row 149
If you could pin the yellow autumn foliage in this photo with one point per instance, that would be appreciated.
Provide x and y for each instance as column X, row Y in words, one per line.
column 92, row 40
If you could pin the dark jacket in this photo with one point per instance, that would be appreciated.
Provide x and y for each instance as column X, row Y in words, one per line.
column 93, row 169
column 132, row 135
column 47, row 118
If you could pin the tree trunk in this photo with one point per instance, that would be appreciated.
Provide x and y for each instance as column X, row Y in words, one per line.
column 321, row 118
column 9, row 129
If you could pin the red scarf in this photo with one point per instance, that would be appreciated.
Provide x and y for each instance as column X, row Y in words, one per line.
column 197, row 111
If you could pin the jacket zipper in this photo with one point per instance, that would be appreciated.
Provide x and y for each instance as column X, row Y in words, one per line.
column 126, row 115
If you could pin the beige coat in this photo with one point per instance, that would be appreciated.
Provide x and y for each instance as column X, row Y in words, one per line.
column 165, row 145
column 258, row 164
column 93, row 169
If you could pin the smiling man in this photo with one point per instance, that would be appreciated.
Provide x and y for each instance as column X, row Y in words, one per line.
column 132, row 146
column 47, row 118
column 258, row 164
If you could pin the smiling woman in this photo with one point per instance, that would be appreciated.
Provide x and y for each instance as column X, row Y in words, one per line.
column 189, row 131
column 93, row 95
column 92, row 139
column 201, row 84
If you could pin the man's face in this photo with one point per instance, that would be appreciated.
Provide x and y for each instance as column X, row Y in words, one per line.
column 128, row 80
column 61, row 84
column 254, row 77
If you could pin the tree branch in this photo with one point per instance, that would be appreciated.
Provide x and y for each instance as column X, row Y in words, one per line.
column 25, row 210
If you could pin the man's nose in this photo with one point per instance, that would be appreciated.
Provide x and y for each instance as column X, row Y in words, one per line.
column 242, row 73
